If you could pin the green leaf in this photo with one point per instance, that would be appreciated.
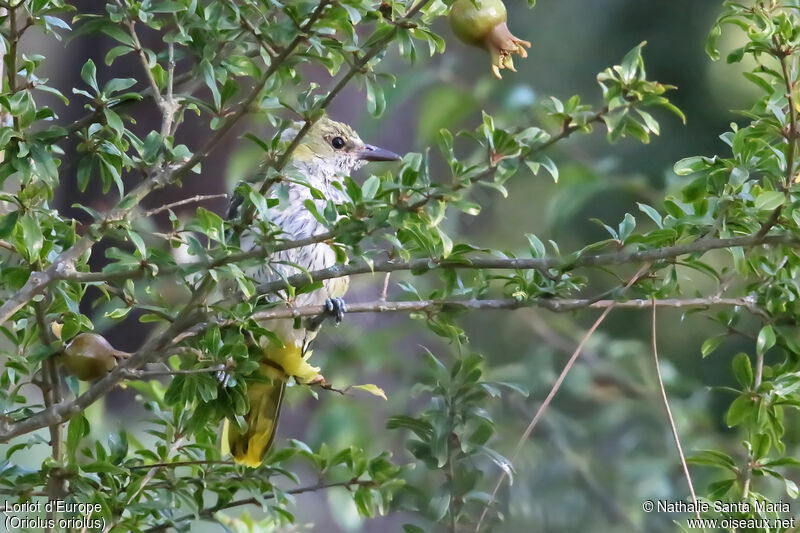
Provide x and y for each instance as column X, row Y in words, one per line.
column 652, row 213
column 32, row 236
column 116, row 52
column 207, row 71
column 741, row 409
column 372, row 389
column 743, row 370
column 77, row 429
column 536, row 246
column 632, row 65
column 7, row 223
column 712, row 344
column 791, row 488
column 550, row 166
column 713, row 458
column 766, row 339
column 89, row 75
column 769, row 200
column 376, row 101
column 626, row 227
column 690, row 165
column 370, row 187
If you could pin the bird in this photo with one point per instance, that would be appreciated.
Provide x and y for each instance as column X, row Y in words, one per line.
column 328, row 153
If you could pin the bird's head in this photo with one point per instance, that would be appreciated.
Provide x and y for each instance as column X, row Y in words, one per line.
column 336, row 147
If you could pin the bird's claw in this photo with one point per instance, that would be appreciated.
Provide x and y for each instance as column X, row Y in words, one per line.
column 335, row 308
column 223, row 375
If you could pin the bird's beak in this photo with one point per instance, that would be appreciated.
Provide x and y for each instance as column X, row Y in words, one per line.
column 373, row 153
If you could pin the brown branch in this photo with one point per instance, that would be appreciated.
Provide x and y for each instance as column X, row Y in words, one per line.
column 563, row 264
column 192, row 200
column 188, row 323
column 425, row 264
column 147, row 374
column 792, row 134
column 791, row 138
column 558, row 305
column 177, row 464
column 168, row 105
column 211, row 511
column 51, row 391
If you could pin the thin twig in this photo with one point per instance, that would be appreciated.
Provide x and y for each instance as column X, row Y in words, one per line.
column 51, row 391
column 550, row 395
column 211, row 511
column 669, row 412
column 139, row 49
column 178, row 464
column 385, row 288
column 165, row 102
column 169, row 107
column 558, row 305
column 758, row 377
column 147, row 374
column 192, row 200
column 791, row 138
column 422, row 264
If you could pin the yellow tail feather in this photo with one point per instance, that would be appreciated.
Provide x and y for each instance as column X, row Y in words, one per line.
column 250, row 447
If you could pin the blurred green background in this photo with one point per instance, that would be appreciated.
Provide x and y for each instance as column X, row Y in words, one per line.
column 604, row 445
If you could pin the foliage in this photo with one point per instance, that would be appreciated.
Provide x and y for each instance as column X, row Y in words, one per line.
column 219, row 63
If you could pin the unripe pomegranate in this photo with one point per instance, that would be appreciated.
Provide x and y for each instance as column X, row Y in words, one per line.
column 90, row 356
column 483, row 23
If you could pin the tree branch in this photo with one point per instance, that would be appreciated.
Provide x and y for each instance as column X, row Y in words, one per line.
column 211, row 511
column 557, row 305
column 182, row 328
column 562, row 264
column 791, row 137
column 194, row 199
column 425, row 264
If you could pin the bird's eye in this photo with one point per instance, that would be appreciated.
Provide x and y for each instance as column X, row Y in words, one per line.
column 337, row 142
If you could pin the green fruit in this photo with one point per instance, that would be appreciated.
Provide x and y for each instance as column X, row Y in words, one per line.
column 90, row 356
column 483, row 23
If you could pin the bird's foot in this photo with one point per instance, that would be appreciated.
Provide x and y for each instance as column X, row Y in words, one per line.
column 334, row 308
column 223, row 375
